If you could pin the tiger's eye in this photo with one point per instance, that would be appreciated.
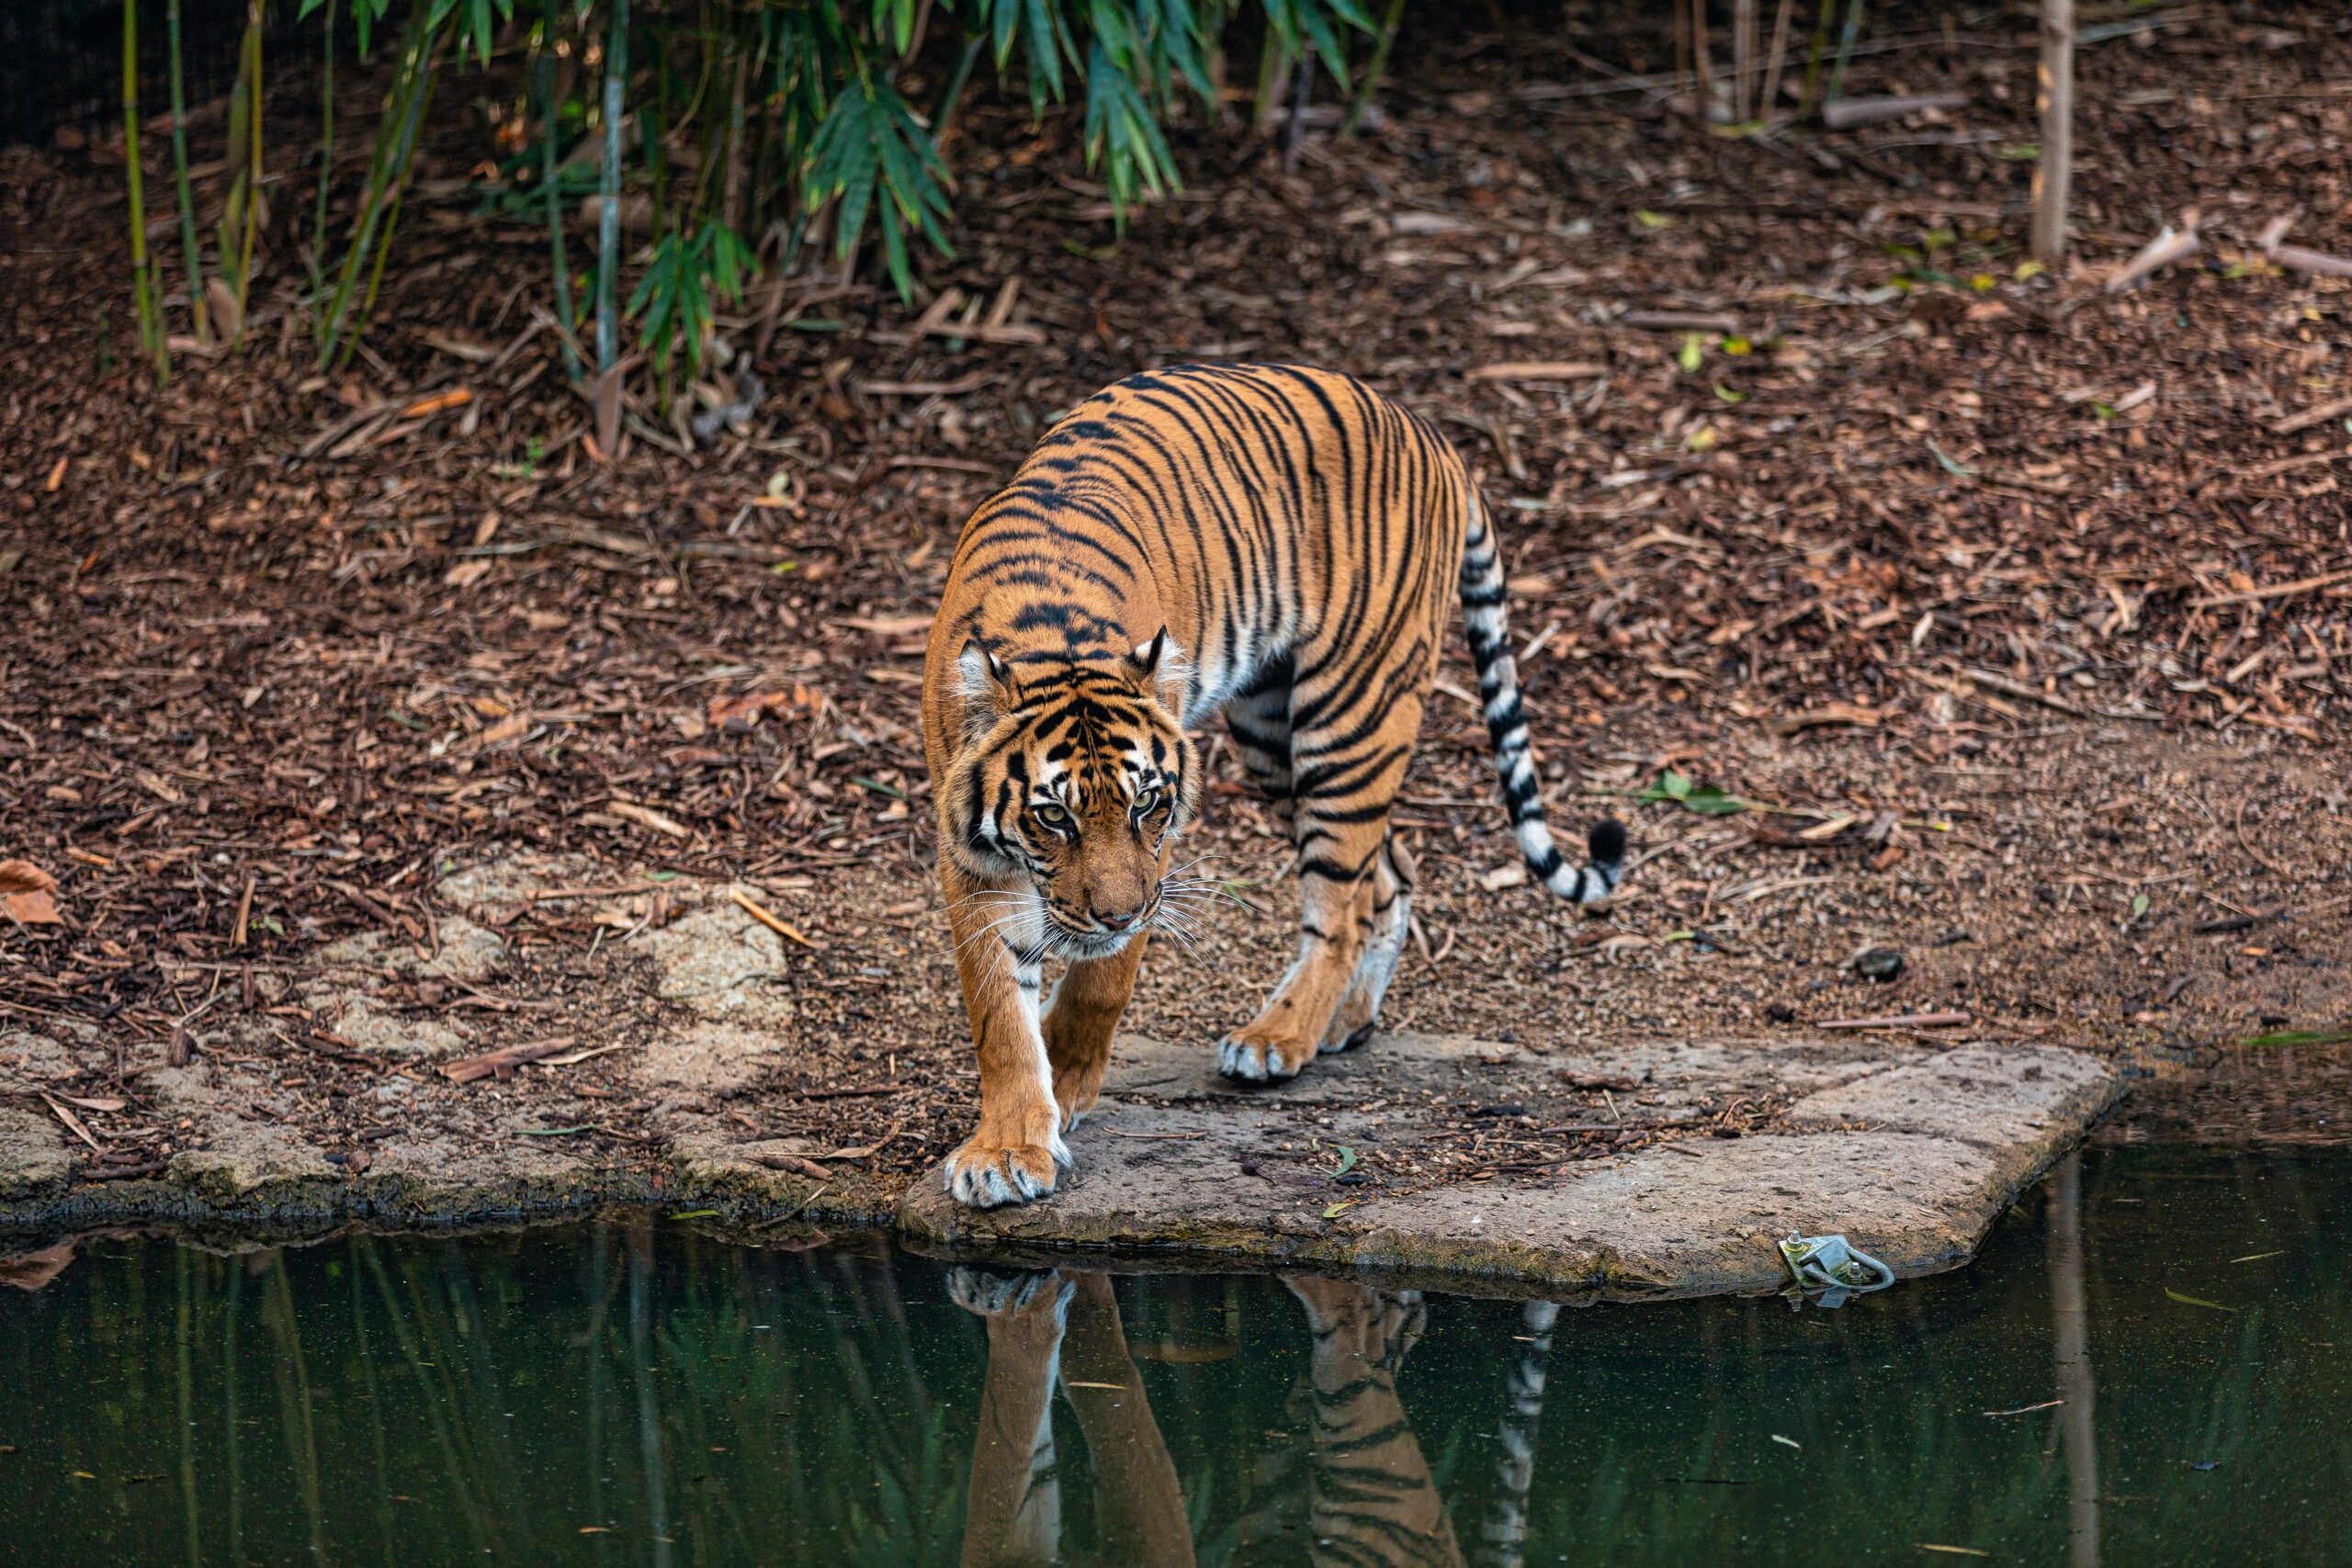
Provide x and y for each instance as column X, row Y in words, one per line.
column 1052, row 815
column 1146, row 802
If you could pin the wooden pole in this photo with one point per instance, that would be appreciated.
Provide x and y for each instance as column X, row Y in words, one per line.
column 2053, row 172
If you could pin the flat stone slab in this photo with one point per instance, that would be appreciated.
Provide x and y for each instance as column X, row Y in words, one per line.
column 1911, row 1155
column 1640, row 1166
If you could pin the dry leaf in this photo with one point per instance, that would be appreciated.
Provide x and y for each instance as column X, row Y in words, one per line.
column 466, row 573
column 27, row 894
column 513, row 727
column 456, row 397
column 744, row 711
column 889, row 625
column 1502, row 876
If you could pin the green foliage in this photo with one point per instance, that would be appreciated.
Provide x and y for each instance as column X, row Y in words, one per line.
column 1705, row 800
column 872, row 155
column 675, row 296
column 802, row 119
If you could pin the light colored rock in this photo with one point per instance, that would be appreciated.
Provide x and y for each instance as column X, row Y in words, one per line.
column 716, row 961
column 35, row 1159
column 712, row 1056
column 1950, row 1139
column 1993, row 1096
column 29, row 1058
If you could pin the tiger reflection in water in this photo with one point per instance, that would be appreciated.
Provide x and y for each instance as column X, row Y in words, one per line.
column 1366, row 1498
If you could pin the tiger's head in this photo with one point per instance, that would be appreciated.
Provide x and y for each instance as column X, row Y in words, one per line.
column 1077, row 780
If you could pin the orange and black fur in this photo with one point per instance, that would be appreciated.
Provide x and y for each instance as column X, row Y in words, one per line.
column 1273, row 542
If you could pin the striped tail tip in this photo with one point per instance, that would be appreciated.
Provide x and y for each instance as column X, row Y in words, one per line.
column 1602, row 870
column 1606, row 845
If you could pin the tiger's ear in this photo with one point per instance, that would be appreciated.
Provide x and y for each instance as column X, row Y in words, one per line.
column 1143, row 662
column 1160, row 668
column 986, row 679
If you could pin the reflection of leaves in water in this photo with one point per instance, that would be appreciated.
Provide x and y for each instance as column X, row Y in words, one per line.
column 846, row 1425
column 917, row 1515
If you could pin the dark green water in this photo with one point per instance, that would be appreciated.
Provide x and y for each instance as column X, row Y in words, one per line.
column 617, row 1395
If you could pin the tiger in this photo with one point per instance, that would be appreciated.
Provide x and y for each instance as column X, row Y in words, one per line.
column 1269, row 541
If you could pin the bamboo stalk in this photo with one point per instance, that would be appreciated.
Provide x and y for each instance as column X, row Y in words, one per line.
column 1274, row 65
column 193, row 257
column 1702, row 62
column 2054, row 171
column 730, row 202
column 404, row 107
column 1294, row 134
column 1846, row 37
column 1743, row 60
column 391, row 220
column 326, row 156
column 1809, row 97
column 142, row 283
column 549, row 108
column 253, row 160
column 952, row 97
column 1376, row 69
column 608, row 218
column 1774, row 59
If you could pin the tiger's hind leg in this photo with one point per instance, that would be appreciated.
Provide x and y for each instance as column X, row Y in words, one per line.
column 1388, row 917
column 1258, row 718
column 1345, row 772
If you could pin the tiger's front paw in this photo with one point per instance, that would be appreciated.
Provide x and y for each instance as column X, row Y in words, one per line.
column 985, row 1294
column 1244, row 1056
column 987, row 1175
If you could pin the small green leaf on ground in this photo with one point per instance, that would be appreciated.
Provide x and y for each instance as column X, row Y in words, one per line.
column 1692, row 352
column 1950, row 464
column 2340, row 1035
column 697, row 1214
column 2197, row 1300
column 2138, row 906
column 1347, row 1160
column 1705, row 800
column 1333, row 1212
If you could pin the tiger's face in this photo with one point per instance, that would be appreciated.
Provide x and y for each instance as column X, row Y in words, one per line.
column 1076, row 781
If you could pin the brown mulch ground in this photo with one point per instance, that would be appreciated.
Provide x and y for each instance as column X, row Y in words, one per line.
column 2047, row 567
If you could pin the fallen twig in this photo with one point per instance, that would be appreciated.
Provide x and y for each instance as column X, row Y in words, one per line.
column 1680, row 321
column 1902, row 1021
column 502, row 1062
column 2170, row 246
column 1847, row 113
column 782, row 928
column 2319, row 414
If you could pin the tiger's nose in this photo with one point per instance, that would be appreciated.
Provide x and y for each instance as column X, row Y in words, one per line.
column 1116, row 922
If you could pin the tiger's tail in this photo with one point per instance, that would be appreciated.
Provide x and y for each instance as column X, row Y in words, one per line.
column 1483, row 617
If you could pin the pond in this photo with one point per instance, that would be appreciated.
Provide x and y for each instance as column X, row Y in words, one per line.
column 2147, row 1364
